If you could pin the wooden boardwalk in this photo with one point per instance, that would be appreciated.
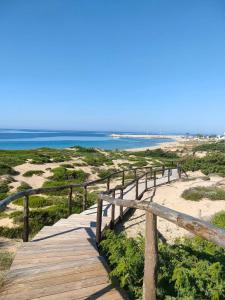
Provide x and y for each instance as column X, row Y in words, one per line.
column 63, row 262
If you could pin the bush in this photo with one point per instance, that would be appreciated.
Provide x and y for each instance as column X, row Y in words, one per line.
column 7, row 170
column 197, row 193
column 157, row 153
column 219, row 146
column 106, row 172
column 190, row 269
column 211, row 163
column 33, row 172
column 219, row 219
column 35, row 201
column 23, row 187
column 61, row 173
column 5, row 260
column 70, row 166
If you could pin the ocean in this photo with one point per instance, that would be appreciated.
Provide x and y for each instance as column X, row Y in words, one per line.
column 30, row 139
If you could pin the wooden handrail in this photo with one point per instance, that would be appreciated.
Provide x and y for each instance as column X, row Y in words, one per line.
column 25, row 194
column 29, row 192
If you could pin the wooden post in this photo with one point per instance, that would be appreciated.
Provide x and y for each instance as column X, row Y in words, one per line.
column 112, row 223
column 108, row 183
column 179, row 171
column 121, row 207
column 154, row 178
column 85, row 198
column 163, row 170
column 26, row 218
column 99, row 222
column 151, row 257
column 70, row 201
column 123, row 178
column 135, row 173
column 150, row 170
column 136, row 192
column 146, row 180
column 168, row 175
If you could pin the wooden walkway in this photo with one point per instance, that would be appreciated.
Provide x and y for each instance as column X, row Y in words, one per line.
column 62, row 261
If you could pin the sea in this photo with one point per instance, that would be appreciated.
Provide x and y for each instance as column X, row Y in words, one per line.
column 11, row 139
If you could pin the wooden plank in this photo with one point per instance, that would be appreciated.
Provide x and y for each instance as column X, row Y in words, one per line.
column 26, row 293
column 53, row 281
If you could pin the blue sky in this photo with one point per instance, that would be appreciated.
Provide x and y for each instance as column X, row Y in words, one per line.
column 153, row 65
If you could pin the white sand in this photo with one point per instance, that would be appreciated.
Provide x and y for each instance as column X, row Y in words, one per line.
column 170, row 196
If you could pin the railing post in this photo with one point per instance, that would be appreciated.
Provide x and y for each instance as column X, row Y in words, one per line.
column 123, row 178
column 112, row 223
column 163, row 170
column 135, row 173
column 70, row 201
column 26, row 218
column 99, row 222
column 168, row 175
column 150, row 170
column 154, row 178
column 151, row 257
column 121, row 207
column 136, row 192
column 179, row 171
column 85, row 198
column 146, row 180
column 108, row 183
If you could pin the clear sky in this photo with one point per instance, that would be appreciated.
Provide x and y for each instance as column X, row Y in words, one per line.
column 153, row 65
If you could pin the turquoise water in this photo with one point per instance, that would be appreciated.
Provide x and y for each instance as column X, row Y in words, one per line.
column 30, row 139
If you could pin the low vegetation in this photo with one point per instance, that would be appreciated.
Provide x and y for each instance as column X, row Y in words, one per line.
column 211, row 147
column 200, row 192
column 6, row 258
column 23, row 186
column 213, row 163
column 189, row 269
column 33, row 172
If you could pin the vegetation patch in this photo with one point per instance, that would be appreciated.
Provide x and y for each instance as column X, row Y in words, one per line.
column 33, row 172
column 23, row 187
column 189, row 269
column 6, row 259
column 4, row 189
column 36, row 201
column 213, row 163
column 7, row 170
column 62, row 173
column 219, row 219
column 200, row 192
column 211, row 147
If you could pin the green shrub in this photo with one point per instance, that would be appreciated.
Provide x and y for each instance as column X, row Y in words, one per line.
column 199, row 192
column 106, row 172
column 4, row 189
column 33, row 172
column 61, row 173
column 157, row 153
column 189, row 269
column 219, row 219
column 11, row 233
column 35, row 201
column 5, row 260
column 7, row 170
column 98, row 161
column 23, row 186
column 70, row 166
column 218, row 146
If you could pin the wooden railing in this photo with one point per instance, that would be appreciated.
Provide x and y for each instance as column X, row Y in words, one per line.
column 147, row 172
column 193, row 225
